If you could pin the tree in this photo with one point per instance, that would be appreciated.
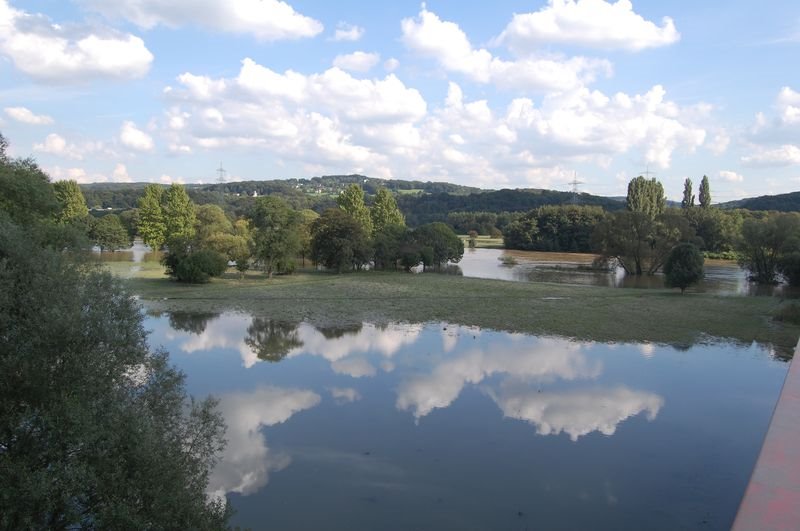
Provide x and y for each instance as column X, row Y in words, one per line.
column 339, row 241
column 384, row 211
column 646, row 196
column 152, row 226
column 188, row 262
column 179, row 212
column 688, row 196
column 272, row 340
column 276, row 236
column 70, row 199
column 388, row 245
column 109, row 234
column 26, row 195
column 683, row 267
column 96, row 430
column 210, row 220
column 705, row 193
column 351, row 200
column 308, row 217
column 444, row 245
column 764, row 242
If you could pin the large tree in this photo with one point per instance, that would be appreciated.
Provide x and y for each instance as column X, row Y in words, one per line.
column 688, row 196
column 276, row 235
column 705, row 193
column 351, row 200
column 71, row 202
column 683, row 267
column 646, row 196
column 438, row 244
column 339, row 241
column 384, row 211
column 765, row 243
column 152, row 225
column 109, row 234
column 96, row 431
column 179, row 212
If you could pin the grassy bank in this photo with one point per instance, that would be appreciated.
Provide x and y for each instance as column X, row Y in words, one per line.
column 581, row 312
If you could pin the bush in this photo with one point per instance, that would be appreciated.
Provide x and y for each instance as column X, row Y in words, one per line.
column 683, row 267
column 184, row 263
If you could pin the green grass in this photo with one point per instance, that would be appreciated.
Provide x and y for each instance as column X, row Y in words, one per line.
column 580, row 312
column 484, row 242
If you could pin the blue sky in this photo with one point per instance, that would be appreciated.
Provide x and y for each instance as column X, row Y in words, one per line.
column 491, row 94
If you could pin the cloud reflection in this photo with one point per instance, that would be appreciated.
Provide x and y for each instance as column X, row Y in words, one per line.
column 246, row 462
column 576, row 412
column 546, row 360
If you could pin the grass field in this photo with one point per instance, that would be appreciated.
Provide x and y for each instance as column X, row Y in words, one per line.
column 484, row 242
column 581, row 312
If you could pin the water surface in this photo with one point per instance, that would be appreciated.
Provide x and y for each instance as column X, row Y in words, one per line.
column 445, row 427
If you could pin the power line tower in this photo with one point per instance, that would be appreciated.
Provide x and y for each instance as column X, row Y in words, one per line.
column 575, row 191
column 221, row 174
column 647, row 174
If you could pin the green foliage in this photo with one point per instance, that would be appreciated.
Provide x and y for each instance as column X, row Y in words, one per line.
column 384, row 211
column 351, row 200
column 276, row 235
column 473, row 238
column 765, row 242
column 646, row 196
column 96, row 431
column 718, row 230
column 339, row 241
column 683, row 267
column 688, row 196
column 211, row 220
column 109, row 234
column 26, row 194
column 565, row 228
column 388, row 245
column 152, row 224
column 705, row 193
column 272, row 340
column 179, row 212
column 638, row 243
column 186, row 262
column 308, row 217
column 438, row 244
column 70, row 199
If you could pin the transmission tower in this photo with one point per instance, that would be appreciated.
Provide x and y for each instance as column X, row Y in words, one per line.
column 647, row 173
column 221, row 174
column 575, row 191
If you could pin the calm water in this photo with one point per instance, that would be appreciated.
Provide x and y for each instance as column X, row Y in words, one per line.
column 444, row 427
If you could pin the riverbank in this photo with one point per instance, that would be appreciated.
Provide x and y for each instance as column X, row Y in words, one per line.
column 580, row 312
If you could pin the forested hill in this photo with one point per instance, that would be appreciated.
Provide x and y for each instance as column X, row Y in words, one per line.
column 421, row 209
column 782, row 203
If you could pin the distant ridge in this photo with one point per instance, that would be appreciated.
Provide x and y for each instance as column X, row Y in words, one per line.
column 782, row 202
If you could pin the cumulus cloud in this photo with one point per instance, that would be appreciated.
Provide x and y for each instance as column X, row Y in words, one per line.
column 446, row 42
column 590, row 23
column 391, row 64
column 357, row 61
column 246, row 462
column 730, row 176
column 348, row 32
column 57, row 53
column 773, row 139
column 267, row 20
column 344, row 395
column 785, row 155
column 57, row 145
column 578, row 412
column 135, row 138
column 26, row 116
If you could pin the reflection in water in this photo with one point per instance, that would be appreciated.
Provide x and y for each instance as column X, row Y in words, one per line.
column 546, row 360
column 478, row 454
column 246, row 462
column 336, row 332
column 575, row 413
column 194, row 323
column 272, row 340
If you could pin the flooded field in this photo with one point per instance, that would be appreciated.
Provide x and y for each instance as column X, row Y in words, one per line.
column 439, row 426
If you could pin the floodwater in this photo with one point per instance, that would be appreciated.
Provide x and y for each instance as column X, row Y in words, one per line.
column 721, row 276
column 438, row 426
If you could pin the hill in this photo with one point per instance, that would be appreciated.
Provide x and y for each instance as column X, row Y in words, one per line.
column 782, row 202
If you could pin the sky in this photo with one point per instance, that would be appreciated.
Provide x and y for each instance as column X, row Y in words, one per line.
column 502, row 94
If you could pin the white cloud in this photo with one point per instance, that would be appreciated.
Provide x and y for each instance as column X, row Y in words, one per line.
column 719, row 144
column 120, row 174
column 445, row 42
column 69, row 54
column 789, row 106
column 730, row 176
column 578, row 412
column 344, row 395
column 357, row 61
column 135, row 138
column 348, row 32
column 391, row 64
column 246, row 462
column 55, row 144
column 267, row 20
column 784, row 155
column 26, row 116
column 590, row 23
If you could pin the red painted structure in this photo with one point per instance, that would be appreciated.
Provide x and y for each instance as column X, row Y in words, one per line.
column 772, row 498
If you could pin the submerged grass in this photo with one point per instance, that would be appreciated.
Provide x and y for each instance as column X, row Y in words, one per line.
column 580, row 312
